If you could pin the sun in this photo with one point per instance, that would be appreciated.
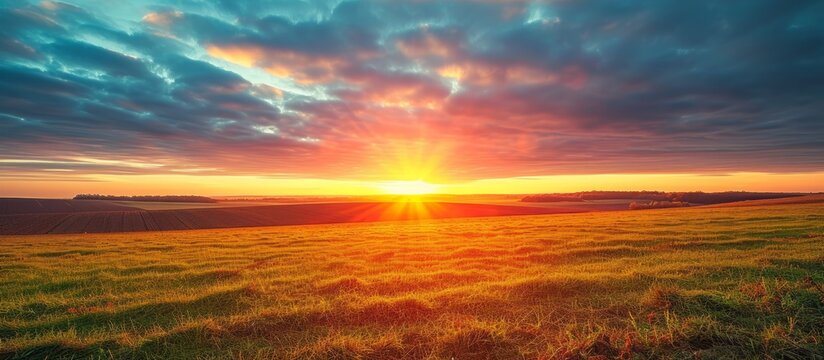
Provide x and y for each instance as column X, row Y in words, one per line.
column 417, row 187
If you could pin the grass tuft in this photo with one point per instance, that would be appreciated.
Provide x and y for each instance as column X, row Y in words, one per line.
column 663, row 298
column 477, row 343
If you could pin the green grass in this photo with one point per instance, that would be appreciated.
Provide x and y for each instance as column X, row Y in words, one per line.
column 675, row 283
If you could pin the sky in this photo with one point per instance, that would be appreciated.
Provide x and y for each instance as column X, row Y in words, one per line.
column 343, row 97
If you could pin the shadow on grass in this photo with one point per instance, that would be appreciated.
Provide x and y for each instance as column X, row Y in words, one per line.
column 142, row 317
column 69, row 252
column 139, row 270
column 538, row 289
column 812, row 267
column 718, row 245
column 62, row 350
column 205, row 341
column 573, row 256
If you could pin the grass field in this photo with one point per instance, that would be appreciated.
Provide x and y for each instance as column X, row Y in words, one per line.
column 677, row 283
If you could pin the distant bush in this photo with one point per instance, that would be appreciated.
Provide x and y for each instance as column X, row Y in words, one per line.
column 157, row 198
column 656, row 205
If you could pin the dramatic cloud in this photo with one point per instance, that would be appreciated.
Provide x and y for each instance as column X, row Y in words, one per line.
column 449, row 91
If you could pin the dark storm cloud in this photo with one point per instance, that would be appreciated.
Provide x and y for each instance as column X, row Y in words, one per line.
column 513, row 88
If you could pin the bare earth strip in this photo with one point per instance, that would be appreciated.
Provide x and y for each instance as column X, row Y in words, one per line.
column 42, row 206
column 228, row 217
column 808, row 199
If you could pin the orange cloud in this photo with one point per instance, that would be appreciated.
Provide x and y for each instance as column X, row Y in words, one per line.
column 427, row 46
column 162, row 18
column 236, row 55
column 483, row 74
column 268, row 91
column 50, row 5
column 395, row 90
column 302, row 68
column 404, row 97
column 452, row 72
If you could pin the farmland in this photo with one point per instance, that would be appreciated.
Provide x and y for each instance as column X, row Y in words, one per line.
column 49, row 206
column 735, row 282
column 249, row 216
column 56, row 216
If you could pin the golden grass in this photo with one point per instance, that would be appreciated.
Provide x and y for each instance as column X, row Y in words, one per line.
column 673, row 283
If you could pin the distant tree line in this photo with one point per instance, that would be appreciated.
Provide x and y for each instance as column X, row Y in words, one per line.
column 157, row 198
column 725, row 197
column 597, row 195
column 636, row 205
column 659, row 198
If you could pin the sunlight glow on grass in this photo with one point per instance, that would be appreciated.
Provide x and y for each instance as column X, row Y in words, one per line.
column 531, row 287
column 417, row 187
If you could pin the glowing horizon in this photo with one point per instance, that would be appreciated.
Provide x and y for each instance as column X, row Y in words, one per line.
column 257, row 186
column 416, row 187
